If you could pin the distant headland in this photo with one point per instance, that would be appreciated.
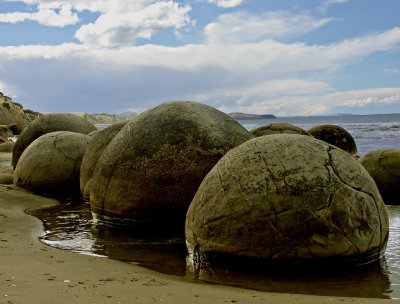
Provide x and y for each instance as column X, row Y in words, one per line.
column 245, row 116
column 12, row 112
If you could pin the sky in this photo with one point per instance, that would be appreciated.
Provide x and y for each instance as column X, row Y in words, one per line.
column 282, row 57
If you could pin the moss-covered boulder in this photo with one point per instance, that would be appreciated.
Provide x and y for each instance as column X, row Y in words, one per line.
column 335, row 135
column 278, row 128
column 384, row 167
column 50, row 165
column 152, row 168
column 99, row 141
column 287, row 199
column 46, row 124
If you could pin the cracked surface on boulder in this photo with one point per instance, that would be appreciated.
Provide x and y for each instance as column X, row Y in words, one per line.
column 99, row 141
column 278, row 128
column 152, row 168
column 51, row 164
column 287, row 197
column 46, row 124
column 384, row 167
column 335, row 135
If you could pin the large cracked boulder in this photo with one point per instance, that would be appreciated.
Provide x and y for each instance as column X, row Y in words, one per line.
column 99, row 141
column 335, row 135
column 152, row 168
column 287, row 199
column 384, row 167
column 46, row 124
column 278, row 128
column 51, row 164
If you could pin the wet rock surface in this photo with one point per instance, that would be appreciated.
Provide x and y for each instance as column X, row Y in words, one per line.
column 51, row 164
column 46, row 124
column 99, row 141
column 335, row 135
column 287, row 198
column 384, row 167
column 278, row 128
column 152, row 168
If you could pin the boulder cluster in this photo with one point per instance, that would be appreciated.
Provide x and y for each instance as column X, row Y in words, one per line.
column 277, row 194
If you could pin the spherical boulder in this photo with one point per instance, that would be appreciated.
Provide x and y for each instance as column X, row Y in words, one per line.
column 151, row 169
column 384, row 167
column 287, row 199
column 278, row 128
column 51, row 164
column 99, row 141
column 335, row 135
column 46, row 124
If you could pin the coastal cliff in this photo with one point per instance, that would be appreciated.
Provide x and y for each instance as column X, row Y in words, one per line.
column 12, row 112
column 103, row 118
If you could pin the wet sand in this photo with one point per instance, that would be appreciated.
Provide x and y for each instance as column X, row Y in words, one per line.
column 32, row 272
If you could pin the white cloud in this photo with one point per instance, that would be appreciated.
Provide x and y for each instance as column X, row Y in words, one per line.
column 256, row 74
column 120, row 22
column 79, row 5
column 4, row 88
column 59, row 17
column 243, row 27
column 316, row 104
column 327, row 3
column 227, row 3
column 123, row 22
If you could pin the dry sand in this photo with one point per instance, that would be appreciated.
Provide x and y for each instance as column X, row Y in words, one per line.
column 31, row 272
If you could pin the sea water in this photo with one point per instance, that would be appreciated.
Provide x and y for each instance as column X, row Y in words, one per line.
column 370, row 132
column 71, row 227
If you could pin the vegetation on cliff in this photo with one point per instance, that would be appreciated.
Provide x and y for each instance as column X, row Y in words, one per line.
column 12, row 112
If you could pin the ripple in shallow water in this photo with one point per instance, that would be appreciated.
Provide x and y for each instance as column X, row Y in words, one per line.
column 71, row 227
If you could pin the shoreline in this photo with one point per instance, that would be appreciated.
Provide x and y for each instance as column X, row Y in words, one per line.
column 31, row 271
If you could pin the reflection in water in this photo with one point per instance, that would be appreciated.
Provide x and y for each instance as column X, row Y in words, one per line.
column 369, row 281
column 71, row 227
column 393, row 251
column 161, row 253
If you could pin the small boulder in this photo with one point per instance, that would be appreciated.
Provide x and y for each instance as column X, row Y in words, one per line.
column 152, row 168
column 278, row 128
column 99, row 141
column 46, row 124
column 287, row 199
column 384, row 167
column 335, row 135
column 51, row 164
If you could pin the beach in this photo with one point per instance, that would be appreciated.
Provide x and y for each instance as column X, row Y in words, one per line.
column 32, row 272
